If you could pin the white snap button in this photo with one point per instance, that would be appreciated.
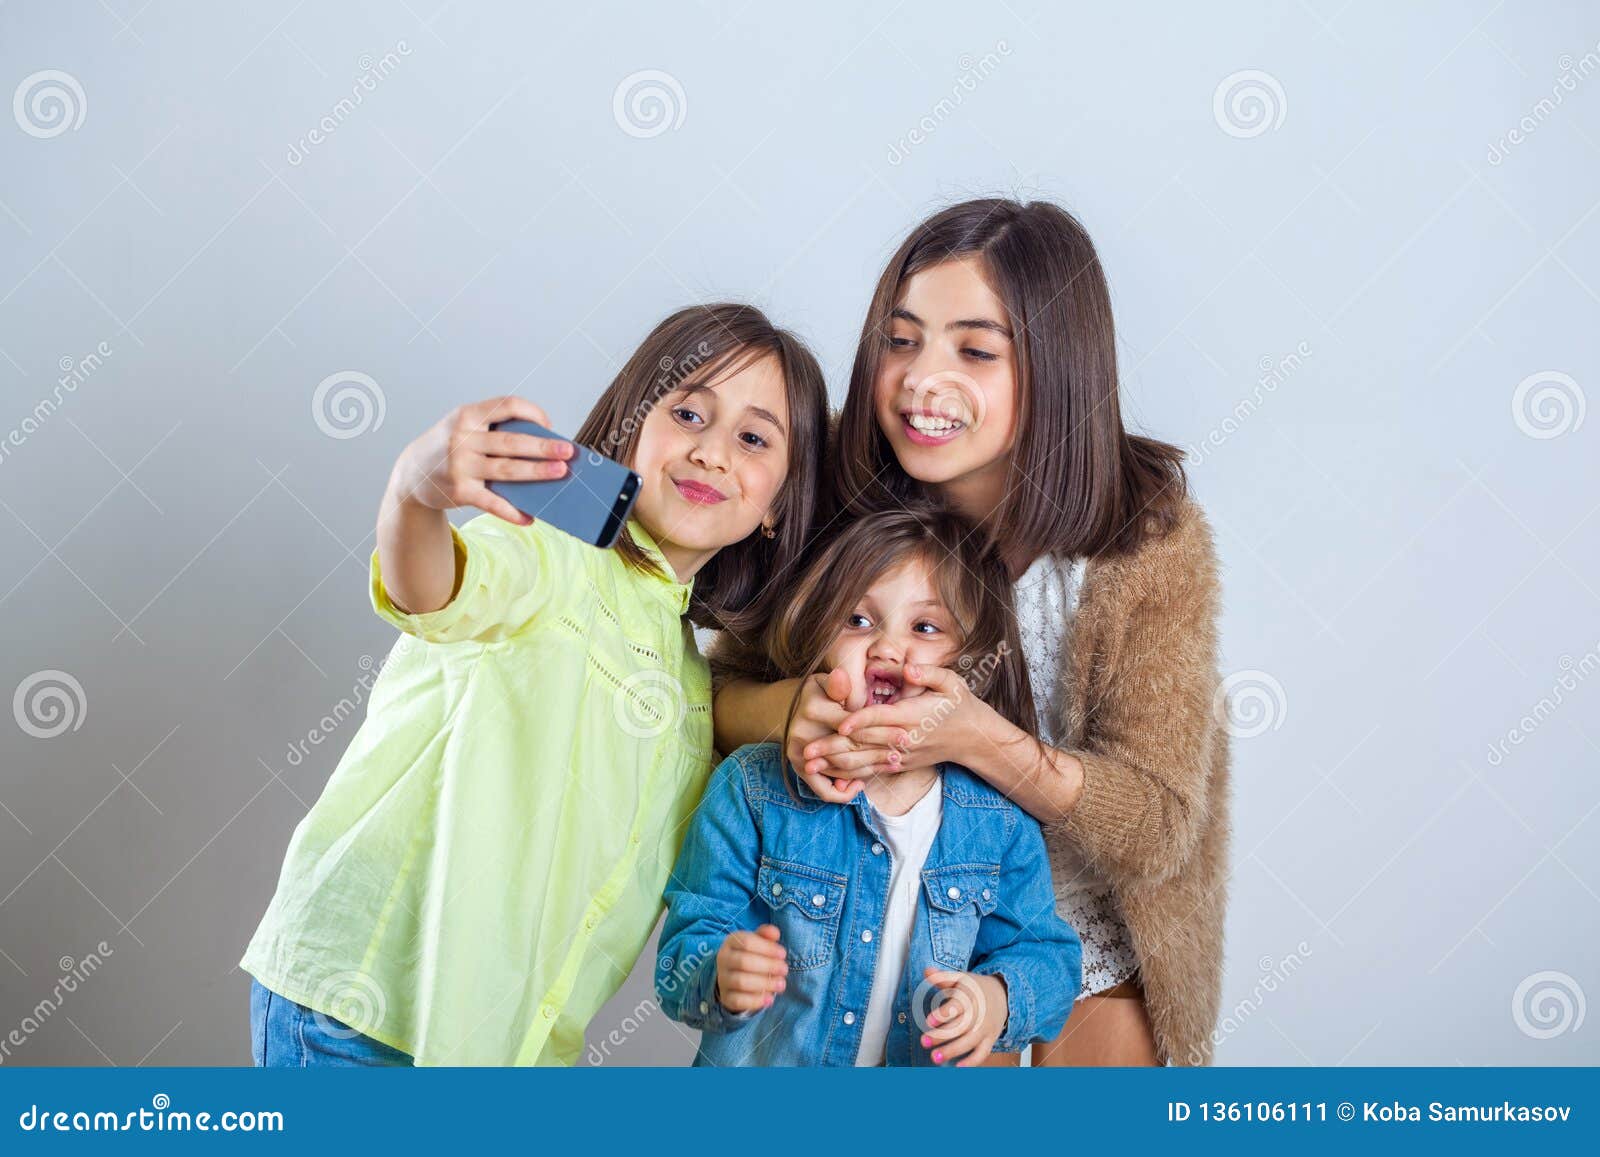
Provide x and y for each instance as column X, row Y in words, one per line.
column 705, row 1006
column 901, row 1018
column 777, row 889
column 877, row 849
column 819, row 899
column 953, row 892
column 866, row 936
column 986, row 893
column 849, row 1018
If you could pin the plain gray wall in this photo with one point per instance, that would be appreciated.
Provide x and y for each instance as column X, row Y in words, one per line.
column 1368, row 306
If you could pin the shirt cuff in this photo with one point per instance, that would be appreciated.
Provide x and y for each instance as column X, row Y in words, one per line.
column 1017, row 1033
column 430, row 626
column 702, row 1009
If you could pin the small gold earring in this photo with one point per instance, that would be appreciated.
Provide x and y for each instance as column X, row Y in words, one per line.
column 768, row 531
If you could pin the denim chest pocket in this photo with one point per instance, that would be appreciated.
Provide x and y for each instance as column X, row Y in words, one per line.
column 958, row 899
column 806, row 903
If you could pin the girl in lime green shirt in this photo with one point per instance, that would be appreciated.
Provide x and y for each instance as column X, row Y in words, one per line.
column 488, row 858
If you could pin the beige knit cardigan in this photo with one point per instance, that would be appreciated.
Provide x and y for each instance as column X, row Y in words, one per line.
column 1140, row 686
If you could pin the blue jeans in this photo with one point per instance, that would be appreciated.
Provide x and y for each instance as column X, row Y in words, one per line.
column 287, row 1035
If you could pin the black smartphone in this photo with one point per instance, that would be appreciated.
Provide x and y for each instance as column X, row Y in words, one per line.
column 591, row 501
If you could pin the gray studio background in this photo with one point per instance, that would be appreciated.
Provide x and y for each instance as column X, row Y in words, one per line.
column 1365, row 292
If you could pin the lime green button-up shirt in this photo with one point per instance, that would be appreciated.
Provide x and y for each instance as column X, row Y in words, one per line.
column 487, row 860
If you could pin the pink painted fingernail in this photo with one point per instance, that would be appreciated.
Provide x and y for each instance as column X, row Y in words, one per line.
column 938, row 1057
column 926, row 1040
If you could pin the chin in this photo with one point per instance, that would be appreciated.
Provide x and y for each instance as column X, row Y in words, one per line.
column 931, row 465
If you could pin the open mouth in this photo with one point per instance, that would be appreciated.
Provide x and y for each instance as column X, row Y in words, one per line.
column 883, row 685
column 927, row 429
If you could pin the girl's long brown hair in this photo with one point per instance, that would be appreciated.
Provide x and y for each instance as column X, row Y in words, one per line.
column 1079, row 484
column 699, row 346
column 972, row 582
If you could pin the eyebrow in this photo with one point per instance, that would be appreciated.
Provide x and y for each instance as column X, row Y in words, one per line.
column 982, row 323
column 910, row 606
column 689, row 389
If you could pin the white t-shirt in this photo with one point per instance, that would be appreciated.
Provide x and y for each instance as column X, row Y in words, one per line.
column 908, row 838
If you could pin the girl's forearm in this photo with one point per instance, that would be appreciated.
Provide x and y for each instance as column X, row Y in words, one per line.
column 1043, row 781
column 415, row 552
column 749, row 712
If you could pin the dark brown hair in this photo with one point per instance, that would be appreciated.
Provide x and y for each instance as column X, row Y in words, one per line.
column 1078, row 483
column 698, row 346
column 972, row 582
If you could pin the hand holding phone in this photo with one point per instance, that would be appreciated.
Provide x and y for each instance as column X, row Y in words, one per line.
column 591, row 501
column 453, row 462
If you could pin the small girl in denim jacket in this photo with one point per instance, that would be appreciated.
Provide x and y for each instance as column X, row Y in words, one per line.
column 915, row 924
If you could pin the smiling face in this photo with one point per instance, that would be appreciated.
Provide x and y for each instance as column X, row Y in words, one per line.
column 900, row 619
column 945, row 395
column 712, row 459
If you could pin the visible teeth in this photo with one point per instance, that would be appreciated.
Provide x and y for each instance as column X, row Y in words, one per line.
column 932, row 424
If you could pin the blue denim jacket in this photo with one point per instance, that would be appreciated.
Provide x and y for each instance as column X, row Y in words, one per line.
column 755, row 854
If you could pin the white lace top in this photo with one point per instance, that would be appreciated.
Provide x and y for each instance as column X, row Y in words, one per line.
column 1046, row 601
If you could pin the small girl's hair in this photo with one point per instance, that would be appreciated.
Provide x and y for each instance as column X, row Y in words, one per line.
column 699, row 346
column 972, row 581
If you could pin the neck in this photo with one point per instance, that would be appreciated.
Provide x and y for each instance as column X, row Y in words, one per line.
column 684, row 563
column 978, row 495
column 894, row 795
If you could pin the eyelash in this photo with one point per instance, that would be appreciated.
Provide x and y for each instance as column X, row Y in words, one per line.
column 850, row 621
column 901, row 343
column 679, row 412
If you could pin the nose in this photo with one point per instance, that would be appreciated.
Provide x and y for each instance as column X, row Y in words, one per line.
column 710, row 451
column 886, row 648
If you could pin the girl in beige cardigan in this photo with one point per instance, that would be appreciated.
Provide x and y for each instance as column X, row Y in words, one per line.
column 986, row 376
